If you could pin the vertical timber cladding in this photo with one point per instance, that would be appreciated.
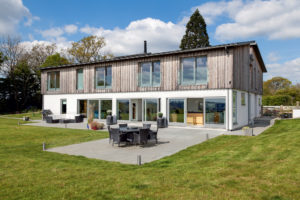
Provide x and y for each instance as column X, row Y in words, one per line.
column 258, row 73
column 241, row 67
column 223, row 67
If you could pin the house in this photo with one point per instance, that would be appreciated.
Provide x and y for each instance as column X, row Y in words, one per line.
column 218, row 86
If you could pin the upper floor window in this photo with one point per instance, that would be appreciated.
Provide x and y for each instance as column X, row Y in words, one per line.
column 193, row 70
column 79, row 74
column 53, row 80
column 103, row 77
column 149, row 74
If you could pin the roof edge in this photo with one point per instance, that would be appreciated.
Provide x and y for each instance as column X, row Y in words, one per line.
column 136, row 56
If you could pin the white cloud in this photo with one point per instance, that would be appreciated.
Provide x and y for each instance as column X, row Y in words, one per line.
column 161, row 36
column 275, row 19
column 52, row 32
column 211, row 10
column 70, row 29
column 289, row 69
column 11, row 13
column 273, row 57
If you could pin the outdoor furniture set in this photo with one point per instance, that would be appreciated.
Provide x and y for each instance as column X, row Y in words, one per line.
column 132, row 135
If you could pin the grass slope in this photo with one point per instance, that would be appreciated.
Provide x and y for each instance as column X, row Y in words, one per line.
column 31, row 115
column 227, row 167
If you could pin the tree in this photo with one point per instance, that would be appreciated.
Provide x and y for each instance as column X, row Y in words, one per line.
column 55, row 60
column 195, row 35
column 87, row 49
column 275, row 84
column 1, row 58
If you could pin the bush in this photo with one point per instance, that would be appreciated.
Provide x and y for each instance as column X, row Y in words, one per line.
column 277, row 100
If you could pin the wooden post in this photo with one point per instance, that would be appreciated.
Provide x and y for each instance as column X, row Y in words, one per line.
column 207, row 136
column 139, row 160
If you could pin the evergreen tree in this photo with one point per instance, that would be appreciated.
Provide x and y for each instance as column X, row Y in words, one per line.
column 195, row 35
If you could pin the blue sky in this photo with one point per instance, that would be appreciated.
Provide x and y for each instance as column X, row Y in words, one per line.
column 274, row 24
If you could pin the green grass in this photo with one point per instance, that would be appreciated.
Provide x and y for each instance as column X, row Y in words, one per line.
column 228, row 167
column 31, row 115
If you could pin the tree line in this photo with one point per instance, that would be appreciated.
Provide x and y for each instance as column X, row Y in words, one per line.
column 280, row 91
column 20, row 75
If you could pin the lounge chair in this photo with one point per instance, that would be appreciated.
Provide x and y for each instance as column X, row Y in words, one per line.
column 50, row 119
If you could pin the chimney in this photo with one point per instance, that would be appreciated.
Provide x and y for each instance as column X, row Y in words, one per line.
column 145, row 47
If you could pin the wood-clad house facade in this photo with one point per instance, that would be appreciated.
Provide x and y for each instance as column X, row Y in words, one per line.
column 176, row 82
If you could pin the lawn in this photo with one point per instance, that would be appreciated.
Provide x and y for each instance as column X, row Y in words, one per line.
column 31, row 115
column 227, row 167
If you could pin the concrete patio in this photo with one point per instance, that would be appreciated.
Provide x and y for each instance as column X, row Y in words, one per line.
column 171, row 140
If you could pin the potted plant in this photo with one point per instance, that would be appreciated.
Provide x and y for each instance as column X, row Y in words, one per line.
column 160, row 115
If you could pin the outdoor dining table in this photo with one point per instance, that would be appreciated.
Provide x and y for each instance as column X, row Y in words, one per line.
column 130, row 133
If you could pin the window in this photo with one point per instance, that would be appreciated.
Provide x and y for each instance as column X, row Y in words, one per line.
column 234, row 107
column 176, row 110
column 193, row 70
column 150, row 109
column 63, row 106
column 79, row 79
column 106, row 105
column 149, row 74
column 123, row 109
column 215, row 111
column 243, row 100
column 103, row 77
column 53, row 81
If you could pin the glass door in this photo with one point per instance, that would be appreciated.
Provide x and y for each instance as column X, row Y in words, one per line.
column 176, row 110
column 150, row 109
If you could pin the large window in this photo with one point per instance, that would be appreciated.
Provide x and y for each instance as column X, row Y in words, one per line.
column 176, row 110
column 234, row 107
column 106, row 105
column 193, row 70
column 53, row 81
column 215, row 111
column 150, row 109
column 194, row 111
column 79, row 74
column 123, row 109
column 149, row 74
column 243, row 99
column 103, row 77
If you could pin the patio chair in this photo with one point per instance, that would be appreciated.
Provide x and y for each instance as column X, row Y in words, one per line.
column 117, row 137
column 143, row 136
column 153, row 134
column 123, row 126
column 79, row 119
column 50, row 119
column 148, row 126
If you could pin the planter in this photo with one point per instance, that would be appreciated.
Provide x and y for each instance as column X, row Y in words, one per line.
column 26, row 118
column 162, row 122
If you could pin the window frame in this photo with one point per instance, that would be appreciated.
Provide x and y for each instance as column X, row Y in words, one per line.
column 151, row 78
column 77, row 88
column 195, row 67
column 55, row 81
column 105, row 77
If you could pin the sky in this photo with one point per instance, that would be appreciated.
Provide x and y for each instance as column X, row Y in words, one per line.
column 273, row 24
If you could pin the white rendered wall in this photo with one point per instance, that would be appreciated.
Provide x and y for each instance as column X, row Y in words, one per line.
column 52, row 102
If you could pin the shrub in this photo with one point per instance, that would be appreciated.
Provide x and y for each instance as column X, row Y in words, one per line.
column 160, row 115
column 277, row 100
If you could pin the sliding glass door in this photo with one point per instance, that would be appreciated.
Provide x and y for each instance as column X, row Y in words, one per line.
column 123, row 109
column 215, row 111
column 150, row 109
column 176, row 110
column 82, row 107
column 195, row 111
column 105, row 105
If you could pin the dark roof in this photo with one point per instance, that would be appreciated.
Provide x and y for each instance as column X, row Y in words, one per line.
column 136, row 56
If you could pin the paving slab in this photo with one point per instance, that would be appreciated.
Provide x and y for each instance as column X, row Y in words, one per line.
column 170, row 141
